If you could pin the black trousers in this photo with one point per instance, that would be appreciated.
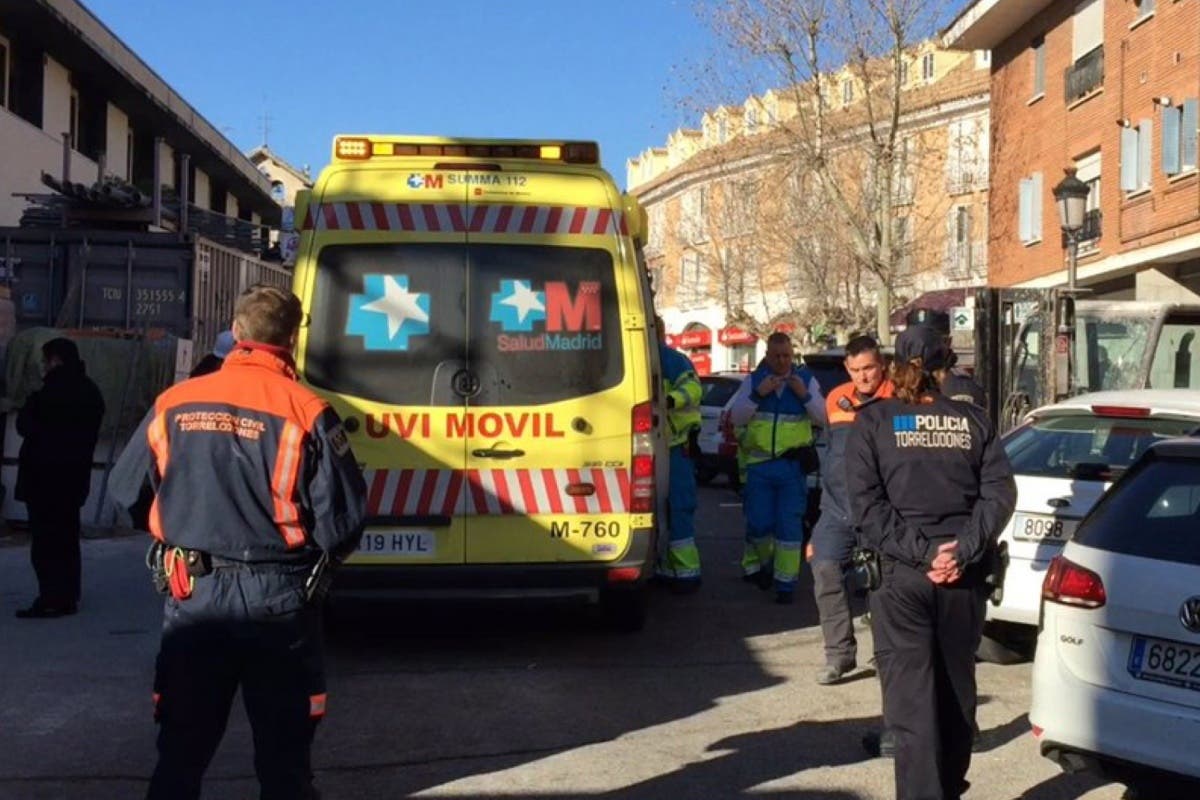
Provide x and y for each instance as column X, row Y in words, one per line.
column 54, row 551
column 238, row 630
column 925, row 641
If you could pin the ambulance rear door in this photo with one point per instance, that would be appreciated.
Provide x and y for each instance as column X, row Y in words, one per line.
column 549, row 427
column 387, row 345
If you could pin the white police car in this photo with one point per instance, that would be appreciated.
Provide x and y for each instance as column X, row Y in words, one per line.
column 1064, row 457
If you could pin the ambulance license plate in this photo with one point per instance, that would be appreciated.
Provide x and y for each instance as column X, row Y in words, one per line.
column 411, row 542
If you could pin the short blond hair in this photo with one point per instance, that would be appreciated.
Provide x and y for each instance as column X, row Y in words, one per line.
column 268, row 314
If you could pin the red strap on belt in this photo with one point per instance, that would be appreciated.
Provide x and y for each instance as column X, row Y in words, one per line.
column 178, row 580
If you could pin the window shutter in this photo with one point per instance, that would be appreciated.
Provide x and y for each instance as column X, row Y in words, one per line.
column 1145, row 137
column 1036, row 191
column 1025, row 210
column 1188, row 134
column 1039, row 66
column 1129, row 147
column 1171, row 118
column 1088, row 28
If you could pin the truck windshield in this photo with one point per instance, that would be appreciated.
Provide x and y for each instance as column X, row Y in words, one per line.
column 1110, row 350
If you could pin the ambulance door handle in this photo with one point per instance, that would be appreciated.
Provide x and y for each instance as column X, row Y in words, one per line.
column 494, row 453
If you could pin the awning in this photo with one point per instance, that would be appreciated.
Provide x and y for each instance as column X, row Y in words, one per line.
column 702, row 362
column 940, row 301
column 690, row 339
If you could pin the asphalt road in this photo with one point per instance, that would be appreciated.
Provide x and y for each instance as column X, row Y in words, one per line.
column 714, row 699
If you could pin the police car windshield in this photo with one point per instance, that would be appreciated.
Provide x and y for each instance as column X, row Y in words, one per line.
column 1086, row 446
column 432, row 324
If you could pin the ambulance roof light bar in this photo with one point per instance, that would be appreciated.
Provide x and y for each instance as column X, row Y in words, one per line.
column 363, row 148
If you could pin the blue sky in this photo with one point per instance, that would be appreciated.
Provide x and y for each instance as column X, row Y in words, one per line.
column 606, row 71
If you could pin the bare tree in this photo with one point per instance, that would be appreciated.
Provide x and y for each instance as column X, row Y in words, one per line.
column 843, row 155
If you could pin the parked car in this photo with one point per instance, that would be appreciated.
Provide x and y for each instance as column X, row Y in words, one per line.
column 716, row 455
column 1065, row 456
column 1116, row 679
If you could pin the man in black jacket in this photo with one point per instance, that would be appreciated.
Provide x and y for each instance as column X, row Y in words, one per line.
column 60, row 424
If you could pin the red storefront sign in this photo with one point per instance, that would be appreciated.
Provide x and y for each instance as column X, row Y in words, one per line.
column 731, row 336
column 692, row 339
column 702, row 362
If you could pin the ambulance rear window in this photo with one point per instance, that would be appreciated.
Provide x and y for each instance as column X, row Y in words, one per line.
column 430, row 324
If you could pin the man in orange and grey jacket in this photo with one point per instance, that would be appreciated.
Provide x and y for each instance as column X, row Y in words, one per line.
column 256, row 494
column 834, row 536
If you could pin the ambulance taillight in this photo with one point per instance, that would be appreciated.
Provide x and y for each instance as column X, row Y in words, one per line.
column 642, row 484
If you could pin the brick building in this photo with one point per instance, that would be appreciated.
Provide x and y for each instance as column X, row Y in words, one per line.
column 1110, row 88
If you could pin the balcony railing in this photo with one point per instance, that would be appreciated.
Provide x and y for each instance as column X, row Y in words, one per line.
column 1089, row 234
column 965, row 260
column 1085, row 75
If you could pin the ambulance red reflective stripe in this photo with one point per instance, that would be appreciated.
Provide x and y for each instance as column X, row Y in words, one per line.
column 503, row 492
column 283, row 485
column 454, row 218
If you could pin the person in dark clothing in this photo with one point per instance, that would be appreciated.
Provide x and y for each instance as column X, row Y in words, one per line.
column 257, row 495
column 213, row 360
column 60, row 424
column 930, row 489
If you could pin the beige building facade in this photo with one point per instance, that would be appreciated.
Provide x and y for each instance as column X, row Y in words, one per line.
column 728, row 217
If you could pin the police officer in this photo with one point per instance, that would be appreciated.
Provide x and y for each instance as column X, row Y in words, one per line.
column 682, row 390
column 256, row 492
column 930, row 488
column 777, row 406
column 834, row 536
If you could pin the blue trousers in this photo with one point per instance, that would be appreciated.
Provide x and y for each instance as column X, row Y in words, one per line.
column 774, row 500
column 683, row 558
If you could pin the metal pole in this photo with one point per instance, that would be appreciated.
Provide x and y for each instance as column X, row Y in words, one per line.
column 84, row 251
column 183, row 189
column 66, row 171
column 158, row 143
column 1072, row 258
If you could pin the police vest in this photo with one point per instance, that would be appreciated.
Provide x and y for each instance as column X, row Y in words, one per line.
column 781, row 422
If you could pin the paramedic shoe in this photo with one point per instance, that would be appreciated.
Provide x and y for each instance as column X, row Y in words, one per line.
column 833, row 673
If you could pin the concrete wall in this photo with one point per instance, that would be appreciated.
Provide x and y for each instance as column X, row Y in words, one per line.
column 39, row 152
column 116, row 137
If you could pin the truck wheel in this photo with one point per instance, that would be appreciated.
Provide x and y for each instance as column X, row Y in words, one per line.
column 625, row 611
column 1004, row 644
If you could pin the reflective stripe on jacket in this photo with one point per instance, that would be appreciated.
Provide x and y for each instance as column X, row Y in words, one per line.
column 681, row 384
column 246, row 464
column 780, row 422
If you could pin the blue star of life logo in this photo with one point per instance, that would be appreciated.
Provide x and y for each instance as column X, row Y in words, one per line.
column 415, row 181
column 386, row 314
column 516, row 306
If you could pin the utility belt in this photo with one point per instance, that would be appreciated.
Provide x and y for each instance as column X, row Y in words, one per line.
column 174, row 570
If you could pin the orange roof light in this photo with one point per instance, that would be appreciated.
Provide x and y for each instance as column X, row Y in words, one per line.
column 361, row 148
column 353, row 148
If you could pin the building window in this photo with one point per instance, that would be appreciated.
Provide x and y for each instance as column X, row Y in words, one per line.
column 751, row 120
column 1088, row 170
column 958, row 242
column 1087, row 30
column 691, row 280
column 73, row 122
column 904, row 72
column 847, row 92
column 1144, row 9
column 927, row 67
column 4, row 71
column 1039, row 65
column 1029, row 209
column 1179, row 137
column 721, row 131
column 967, row 157
column 1135, row 156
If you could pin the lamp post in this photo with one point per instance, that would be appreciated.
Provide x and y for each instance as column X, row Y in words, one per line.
column 1071, row 196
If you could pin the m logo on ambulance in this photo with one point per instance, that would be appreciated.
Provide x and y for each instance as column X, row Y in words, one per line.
column 418, row 181
column 387, row 313
column 570, row 321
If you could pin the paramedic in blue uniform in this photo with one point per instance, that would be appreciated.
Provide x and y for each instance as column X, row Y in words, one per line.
column 777, row 407
column 930, row 489
column 682, row 390
column 256, row 493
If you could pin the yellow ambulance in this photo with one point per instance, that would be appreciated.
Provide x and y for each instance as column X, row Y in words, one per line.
column 480, row 316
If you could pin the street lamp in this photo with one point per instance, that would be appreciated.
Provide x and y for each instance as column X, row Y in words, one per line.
column 1071, row 196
